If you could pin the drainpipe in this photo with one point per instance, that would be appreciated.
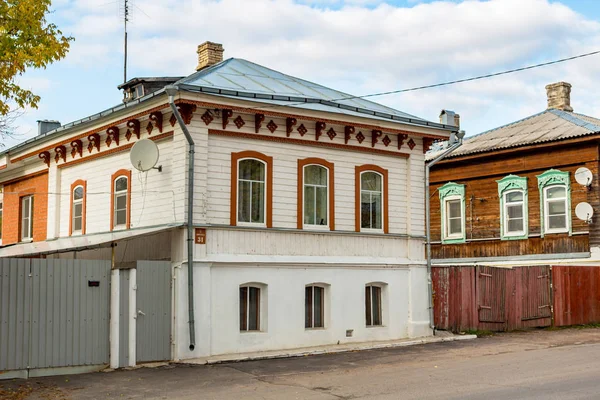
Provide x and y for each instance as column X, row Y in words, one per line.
column 456, row 139
column 171, row 90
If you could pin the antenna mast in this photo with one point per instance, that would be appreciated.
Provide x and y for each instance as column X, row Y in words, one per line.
column 125, row 19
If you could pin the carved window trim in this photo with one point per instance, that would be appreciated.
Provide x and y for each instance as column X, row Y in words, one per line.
column 449, row 192
column 330, row 193
column 268, row 161
column 548, row 179
column 359, row 170
column 510, row 184
column 120, row 173
column 74, row 185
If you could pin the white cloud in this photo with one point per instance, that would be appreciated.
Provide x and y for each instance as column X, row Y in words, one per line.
column 363, row 46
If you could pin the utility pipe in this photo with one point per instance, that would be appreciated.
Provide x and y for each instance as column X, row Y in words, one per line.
column 171, row 90
column 456, row 138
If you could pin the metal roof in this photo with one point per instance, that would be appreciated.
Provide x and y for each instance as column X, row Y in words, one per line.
column 548, row 126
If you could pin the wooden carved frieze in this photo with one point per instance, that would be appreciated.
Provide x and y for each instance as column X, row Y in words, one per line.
column 94, row 139
column 61, row 152
column 258, row 120
column 401, row 138
column 76, row 148
column 360, row 137
column 225, row 115
column 272, row 126
column 186, row 111
column 427, row 142
column 156, row 118
column 411, row 143
column 173, row 120
column 45, row 156
column 302, row 130
column 375, row 134
column 289, row 125
column 133, row 128
column 112, row 135
column 386, row 140
column 319, row 127
column 239, row 121
column 331, row 133
column 348, row 132
column 207, row 117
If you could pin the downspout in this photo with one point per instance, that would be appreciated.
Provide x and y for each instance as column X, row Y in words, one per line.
column 171, row 90
column 453, row 138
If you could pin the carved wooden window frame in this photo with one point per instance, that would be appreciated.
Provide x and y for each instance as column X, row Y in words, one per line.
column 510, row 184
column 268, row 161
column 74, row 185
column 120, row 173
column 330, row 193
column 547, row 180
column 450, row 192
column 359, row 170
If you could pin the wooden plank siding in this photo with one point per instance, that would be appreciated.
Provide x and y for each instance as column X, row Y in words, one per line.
column 482, row 203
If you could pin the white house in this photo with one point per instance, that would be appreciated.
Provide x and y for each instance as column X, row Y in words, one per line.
column 308, row 207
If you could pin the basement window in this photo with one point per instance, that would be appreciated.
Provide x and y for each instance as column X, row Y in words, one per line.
column 314, row 307
column 373, row 311
column 250, row 305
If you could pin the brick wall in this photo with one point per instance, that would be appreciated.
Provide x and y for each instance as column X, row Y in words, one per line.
column 36, row 185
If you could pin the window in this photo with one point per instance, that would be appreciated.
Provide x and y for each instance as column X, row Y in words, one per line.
column 371, row 199
column 26, row 218
column 315, row 194
column 78, row 193
column 452, row 200
column 373, row 305
column 512, row 190
column 121, row 200
column 0, row 222
column 314, row 306
column 249, row 308
column 555, row 209
column 251, row 189
column 555, row 201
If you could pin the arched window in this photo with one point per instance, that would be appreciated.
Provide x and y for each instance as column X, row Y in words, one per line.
column 374, row 293
column 121, row 200
column 251, row 189
column 250, row 307
column 555, row 199
column 315, row 194
column 371, row 199
column 512, row 190
column 314, row 306
column 452, row 202
column 78, row 199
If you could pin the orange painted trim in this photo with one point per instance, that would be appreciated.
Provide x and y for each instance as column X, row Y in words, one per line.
column 300, row 210
column 20, row 178
column 86, row 134
column 315, row 119
column 78, row 182
column 111, row 151
column 337, row 146
column 235, row 157
column 126, row 173
column 357, row 211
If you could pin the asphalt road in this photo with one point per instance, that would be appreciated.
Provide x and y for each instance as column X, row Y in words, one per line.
column 563, row 364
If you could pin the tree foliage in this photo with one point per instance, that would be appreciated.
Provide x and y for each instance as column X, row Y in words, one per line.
column 27, row 40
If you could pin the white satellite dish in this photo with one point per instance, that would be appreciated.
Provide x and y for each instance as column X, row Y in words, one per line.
column 144, row 155
column 584, row 212
column 584, row 176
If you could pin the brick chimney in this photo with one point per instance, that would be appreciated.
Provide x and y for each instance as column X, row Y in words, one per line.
column 450, row 118
column 559, row 96
column 209, row 53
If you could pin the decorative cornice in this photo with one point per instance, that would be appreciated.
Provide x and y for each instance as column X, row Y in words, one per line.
column 451, row 189
column 77, row 148
column 553, row 177
column 511, row 182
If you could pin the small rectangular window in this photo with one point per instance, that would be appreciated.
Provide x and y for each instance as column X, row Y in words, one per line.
column 556, row 209
column 27, row 218
column 314, row 301
column 0, row 220
column 514, row 213
column 454, row 217
column 249, row 308
column 373, row 305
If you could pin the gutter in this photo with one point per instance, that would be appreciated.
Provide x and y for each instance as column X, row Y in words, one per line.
column 455, row 138
column 171, row 90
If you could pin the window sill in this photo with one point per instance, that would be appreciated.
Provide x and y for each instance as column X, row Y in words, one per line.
column 375, row 326
column 26, row 240
column 252, row 224
column 366, row 230
column 316, row 228
column 555, row 232
column 315, row 329
column 252, row 332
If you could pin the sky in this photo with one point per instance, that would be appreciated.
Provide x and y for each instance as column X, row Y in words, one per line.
column 356, row 46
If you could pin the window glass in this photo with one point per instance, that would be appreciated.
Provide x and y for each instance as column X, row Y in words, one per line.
column 514, row 196
column 78, row 193
column 371, row 200
column 77, row 216
column 249, row 308
column 373, row 305
column 514, row 212
column 314, row 301
column 0, row 220
column 120, row 201
column 315, row 195
column 121, row 184
column 454, row 217
column 251, row 191
column 556, row 207
column 555, row 192
column 26, row 217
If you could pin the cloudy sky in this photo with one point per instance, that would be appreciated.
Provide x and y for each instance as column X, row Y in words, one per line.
column 357, row 46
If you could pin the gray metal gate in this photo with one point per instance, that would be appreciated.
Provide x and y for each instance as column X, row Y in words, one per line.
column 153, row 331
column 53, row 313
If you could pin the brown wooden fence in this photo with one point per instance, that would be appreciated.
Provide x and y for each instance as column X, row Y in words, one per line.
column 504, row 299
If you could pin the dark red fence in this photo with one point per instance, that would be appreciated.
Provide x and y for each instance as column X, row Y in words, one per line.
column 503, row 299
column 576, row 295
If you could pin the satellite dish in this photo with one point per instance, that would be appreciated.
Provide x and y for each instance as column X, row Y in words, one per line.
column 584, row 176
column 144, row 155
column 584, row 211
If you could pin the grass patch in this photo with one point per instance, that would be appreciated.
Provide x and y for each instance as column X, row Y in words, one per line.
column 479, row 333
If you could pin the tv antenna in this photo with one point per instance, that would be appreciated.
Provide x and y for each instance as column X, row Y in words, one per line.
column 126, row 15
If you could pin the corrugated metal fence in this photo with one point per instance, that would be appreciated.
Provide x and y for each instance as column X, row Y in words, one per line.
column 53, row 313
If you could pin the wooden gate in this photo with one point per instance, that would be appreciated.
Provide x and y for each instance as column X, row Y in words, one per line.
column 536, row 293
column 491, row 294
